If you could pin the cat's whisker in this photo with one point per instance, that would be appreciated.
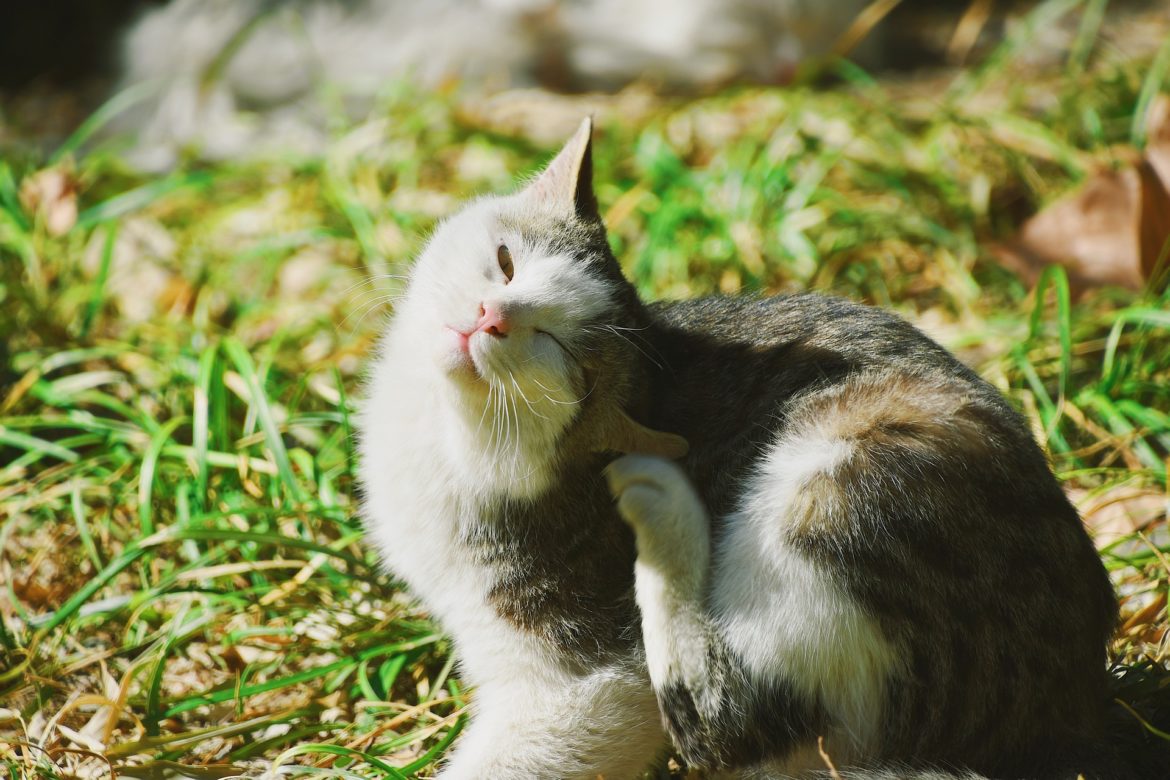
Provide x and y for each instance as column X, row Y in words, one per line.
column 531, row 408
column 548, row 390
column 495, row 399
column 356, row 312
column 611, row 329
column 549, row 398
column 373, row 292
column 515, row 413
column 362, row 313
column 527, row 475
column 370, row 298
column 569, row 403
column 490, row 405
column 543, row 386
column 506, row 417
column 362, row 308
column 371, row 310
column 626, row 327
column 588, row 393
column 486, row 403
column 372, row 279
column 505, row 422
column 497, row 420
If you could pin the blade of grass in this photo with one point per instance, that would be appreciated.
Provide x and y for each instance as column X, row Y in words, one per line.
column 259, row 403
column 338, row 750
column 24, row 441
column 1054, row 276
column 201, row 422
column 429, row 757
column 119, row 103
column 146, row 474
column 83, row 532
column 274, row 540
column 141, row 197
column 97, row 296
column 232, row 691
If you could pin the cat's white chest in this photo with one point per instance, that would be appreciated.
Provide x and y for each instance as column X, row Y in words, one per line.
column 417, row 497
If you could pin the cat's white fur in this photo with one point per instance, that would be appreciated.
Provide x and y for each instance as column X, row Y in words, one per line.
column 788, row 619
column 435, row 447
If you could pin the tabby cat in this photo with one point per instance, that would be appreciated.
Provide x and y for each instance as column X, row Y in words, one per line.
column 722, row 528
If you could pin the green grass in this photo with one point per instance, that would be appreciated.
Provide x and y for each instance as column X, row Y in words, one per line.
column 183, row 577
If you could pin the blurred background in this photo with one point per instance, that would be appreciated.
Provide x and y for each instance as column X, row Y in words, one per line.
column 208, row 208
column 226, row 78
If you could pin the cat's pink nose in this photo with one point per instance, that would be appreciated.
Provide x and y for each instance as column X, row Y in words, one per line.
column 492, row 321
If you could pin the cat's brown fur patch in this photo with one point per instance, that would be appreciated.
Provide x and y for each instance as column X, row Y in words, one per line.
column 871, row 414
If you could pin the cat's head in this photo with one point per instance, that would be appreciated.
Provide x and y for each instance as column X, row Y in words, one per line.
column 519, row 309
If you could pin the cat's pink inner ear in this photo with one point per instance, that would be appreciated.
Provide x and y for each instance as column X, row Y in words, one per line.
column 567, row 182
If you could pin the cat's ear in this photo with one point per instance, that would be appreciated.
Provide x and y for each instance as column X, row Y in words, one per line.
column 630, row 437
column 567, row 183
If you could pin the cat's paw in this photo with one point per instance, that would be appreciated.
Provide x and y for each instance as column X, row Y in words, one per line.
column 656, row 498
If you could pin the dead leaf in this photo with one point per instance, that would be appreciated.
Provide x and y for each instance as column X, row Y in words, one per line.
column 1114, row 230
column 83, row 740
column 140, row 279
column 1146, row 616
column 1158, row 138
column 51, row 195
column 1153, row 222
column 1120, row 511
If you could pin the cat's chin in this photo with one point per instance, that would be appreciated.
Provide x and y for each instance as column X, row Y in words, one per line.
column 465, row 375
column 456, row 362
column 460, row 368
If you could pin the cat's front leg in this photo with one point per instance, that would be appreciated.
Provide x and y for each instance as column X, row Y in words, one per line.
column 717, row 713
column 565, row 726
column 670, row 524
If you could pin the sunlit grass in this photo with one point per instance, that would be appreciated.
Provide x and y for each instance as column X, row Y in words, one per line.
column 183, row 577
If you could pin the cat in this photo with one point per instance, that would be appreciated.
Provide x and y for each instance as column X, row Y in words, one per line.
column 722, row 528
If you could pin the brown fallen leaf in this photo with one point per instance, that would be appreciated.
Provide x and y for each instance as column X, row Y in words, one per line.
column 1155, row 218
column 140, row 279
column 1113, row 230
column 1146, row 616
column 1158, row 137
column 1120, row 511
column 51, row 195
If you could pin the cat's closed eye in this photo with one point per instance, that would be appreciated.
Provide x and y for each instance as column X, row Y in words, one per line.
column 504, row 258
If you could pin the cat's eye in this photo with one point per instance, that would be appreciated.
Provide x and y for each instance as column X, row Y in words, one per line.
column 504, row 258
